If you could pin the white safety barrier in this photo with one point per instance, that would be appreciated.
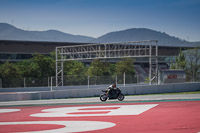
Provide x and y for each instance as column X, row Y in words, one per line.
column 74, row 93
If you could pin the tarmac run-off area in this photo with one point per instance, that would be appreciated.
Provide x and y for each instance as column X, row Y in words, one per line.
column 155, row 116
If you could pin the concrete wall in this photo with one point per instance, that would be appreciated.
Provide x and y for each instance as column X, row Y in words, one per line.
column 25, row 89
column 72, row 93
column 19, row 96
column 131, row 90
column 156, row 89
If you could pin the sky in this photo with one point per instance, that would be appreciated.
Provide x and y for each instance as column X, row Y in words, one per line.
column 180, row 18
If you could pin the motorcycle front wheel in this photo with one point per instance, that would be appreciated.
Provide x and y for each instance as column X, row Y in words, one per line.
column 103, row 97
column 120, row 97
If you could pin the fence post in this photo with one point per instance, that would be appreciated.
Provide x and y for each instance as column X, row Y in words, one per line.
column 24, row 82
column 88, row 82
column 124, row 79
column 116, row 78
column 48, row 82
column 1, row 86
column 51, row 83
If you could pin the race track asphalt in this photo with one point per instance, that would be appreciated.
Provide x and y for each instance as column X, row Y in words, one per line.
column 140, row 114
column 135, row 98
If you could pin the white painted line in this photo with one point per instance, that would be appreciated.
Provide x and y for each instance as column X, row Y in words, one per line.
column 9, row 110
column 70, row 126
column 79, row 112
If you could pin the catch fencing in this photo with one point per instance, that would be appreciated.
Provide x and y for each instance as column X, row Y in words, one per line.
column 69, row 80
column 75, row 80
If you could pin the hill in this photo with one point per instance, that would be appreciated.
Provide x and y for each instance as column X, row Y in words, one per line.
column 137, row 34
column 9, row 32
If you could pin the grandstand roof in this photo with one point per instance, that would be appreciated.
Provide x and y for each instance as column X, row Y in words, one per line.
column 10, row 46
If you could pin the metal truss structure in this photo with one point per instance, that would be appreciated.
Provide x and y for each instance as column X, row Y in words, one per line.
column 137, row 49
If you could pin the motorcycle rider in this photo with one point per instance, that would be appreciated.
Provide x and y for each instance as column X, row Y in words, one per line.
column 111, row 88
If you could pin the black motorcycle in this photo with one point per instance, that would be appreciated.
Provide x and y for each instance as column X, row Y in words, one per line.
column 113, row 94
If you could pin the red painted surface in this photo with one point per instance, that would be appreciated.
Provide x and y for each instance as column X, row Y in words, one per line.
column 167, row 117
column 27, row 128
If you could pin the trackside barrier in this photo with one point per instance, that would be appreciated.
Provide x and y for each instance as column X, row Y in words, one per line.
column 85, row 92
column 132, row 90
column 156, row 89
column 15, row 96
column 27, row 89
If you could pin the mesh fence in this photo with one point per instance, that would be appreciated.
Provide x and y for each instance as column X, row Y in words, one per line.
column 24, row 82
column 73, row 80
column 69, row 80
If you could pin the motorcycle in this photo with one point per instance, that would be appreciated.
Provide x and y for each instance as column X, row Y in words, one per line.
column 113, row 94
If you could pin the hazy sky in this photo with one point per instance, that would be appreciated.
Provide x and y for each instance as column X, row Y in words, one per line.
column 180, row 18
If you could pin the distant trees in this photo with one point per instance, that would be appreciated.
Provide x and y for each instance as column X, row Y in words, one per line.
column 126, row 65
column 193, row 64
column 74, row 68
column 74, row 72
column 39, row 66
column 8, row 73
column 189, row 60
column 43, row 66
column 9, row 70
column 98, row 68
column 180, row 61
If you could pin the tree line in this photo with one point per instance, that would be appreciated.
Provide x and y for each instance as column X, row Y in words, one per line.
column 43, row 66
column 40, row 66
column 189, row 61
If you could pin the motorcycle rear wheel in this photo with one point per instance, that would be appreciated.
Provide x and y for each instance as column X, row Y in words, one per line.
column 120, row 97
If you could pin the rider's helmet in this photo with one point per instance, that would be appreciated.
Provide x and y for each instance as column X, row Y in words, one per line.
column 114, row 85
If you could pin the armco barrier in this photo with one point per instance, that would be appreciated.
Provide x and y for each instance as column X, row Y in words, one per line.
column 73, row 93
